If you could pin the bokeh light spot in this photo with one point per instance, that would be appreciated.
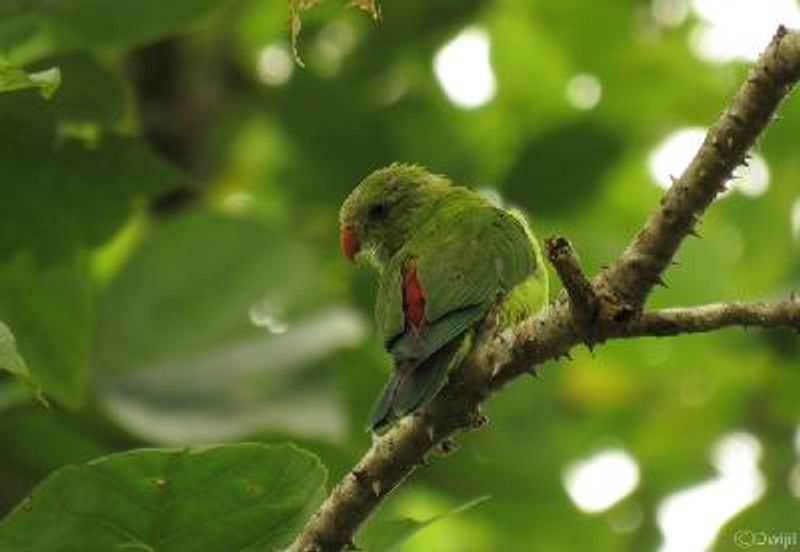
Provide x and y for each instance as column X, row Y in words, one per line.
column 334, row 42
column 691, row 518
column 597, row 483
column 267, row 314
column 670, row 13
column 671, row 157
column 739, row 29
column 794, row 480
column 794, row 219
column 464, row 70
column 275, row 65
column 584, row 91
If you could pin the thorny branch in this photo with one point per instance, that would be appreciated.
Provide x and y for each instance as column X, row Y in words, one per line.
column 609, row 306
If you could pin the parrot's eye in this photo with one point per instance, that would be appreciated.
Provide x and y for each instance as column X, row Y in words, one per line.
column 377, row 211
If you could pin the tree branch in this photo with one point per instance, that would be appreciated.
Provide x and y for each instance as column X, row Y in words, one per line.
column 675, row 321
column 619, row 293
column 725, row 147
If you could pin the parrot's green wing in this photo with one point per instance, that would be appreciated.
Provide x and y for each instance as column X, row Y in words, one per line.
column 486, row 251
column 462, row 261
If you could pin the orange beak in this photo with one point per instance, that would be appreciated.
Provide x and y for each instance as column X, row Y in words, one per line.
column 348, row 240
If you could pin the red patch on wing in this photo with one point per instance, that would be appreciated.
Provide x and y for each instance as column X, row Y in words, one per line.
column 413, row 298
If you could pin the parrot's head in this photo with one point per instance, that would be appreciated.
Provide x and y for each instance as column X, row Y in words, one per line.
column 381, row 212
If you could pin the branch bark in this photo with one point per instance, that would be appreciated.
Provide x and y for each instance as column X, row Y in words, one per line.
column 727, row 143
column 707, row 318
column 609, row 306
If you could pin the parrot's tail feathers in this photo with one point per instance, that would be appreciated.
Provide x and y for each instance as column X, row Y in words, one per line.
column 411, row 387
column 382, row 413
column 424, row 382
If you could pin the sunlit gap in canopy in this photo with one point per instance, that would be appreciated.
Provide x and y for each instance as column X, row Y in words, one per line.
column 464, row 70
column 794, row 218
column 794, row 480
column 691, row 519
column 670, row 13
column 584, row 91
column 669, row 159
column 267, row 314
column 600, row 481
column 794, row 475
column 334, row 42
column 274, row 64
column 739, row 29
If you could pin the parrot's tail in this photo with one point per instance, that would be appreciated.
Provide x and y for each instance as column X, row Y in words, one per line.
column 412, row 386
column 383, row 413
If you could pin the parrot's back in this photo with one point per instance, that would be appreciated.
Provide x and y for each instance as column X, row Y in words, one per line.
column 440, row 285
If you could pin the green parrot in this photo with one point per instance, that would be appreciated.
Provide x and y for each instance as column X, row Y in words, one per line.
column 444, row 254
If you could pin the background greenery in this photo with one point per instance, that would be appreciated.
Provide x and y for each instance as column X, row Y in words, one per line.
column 169, row 265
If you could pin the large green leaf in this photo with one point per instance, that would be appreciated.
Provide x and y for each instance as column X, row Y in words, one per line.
column 50, row 308
column 237, row 497
column 217, row 328
column 61, row 193
column 70, row 438
column 90, row 93
column 94, row 23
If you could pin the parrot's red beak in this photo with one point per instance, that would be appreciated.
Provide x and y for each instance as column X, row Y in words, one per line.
column 348, row 240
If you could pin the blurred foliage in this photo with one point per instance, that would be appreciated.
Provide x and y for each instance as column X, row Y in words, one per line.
column 170, row 275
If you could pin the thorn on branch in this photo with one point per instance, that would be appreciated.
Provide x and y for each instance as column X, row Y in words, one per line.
column 478, row 421
column 431, row 433
column 359, row 476
column 446, row 447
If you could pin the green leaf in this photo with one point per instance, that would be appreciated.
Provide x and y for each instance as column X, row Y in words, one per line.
column 83, row 192
column 387, row 535
column 96, row 23
column 14, row 78
column 50, row 309
column 236, row 497
column 71, row 439
column 548, row 156
column 10, row 359
column 90, row 94
column 216, row 329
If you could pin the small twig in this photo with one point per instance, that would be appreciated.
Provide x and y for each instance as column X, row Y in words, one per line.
column 565, row 260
